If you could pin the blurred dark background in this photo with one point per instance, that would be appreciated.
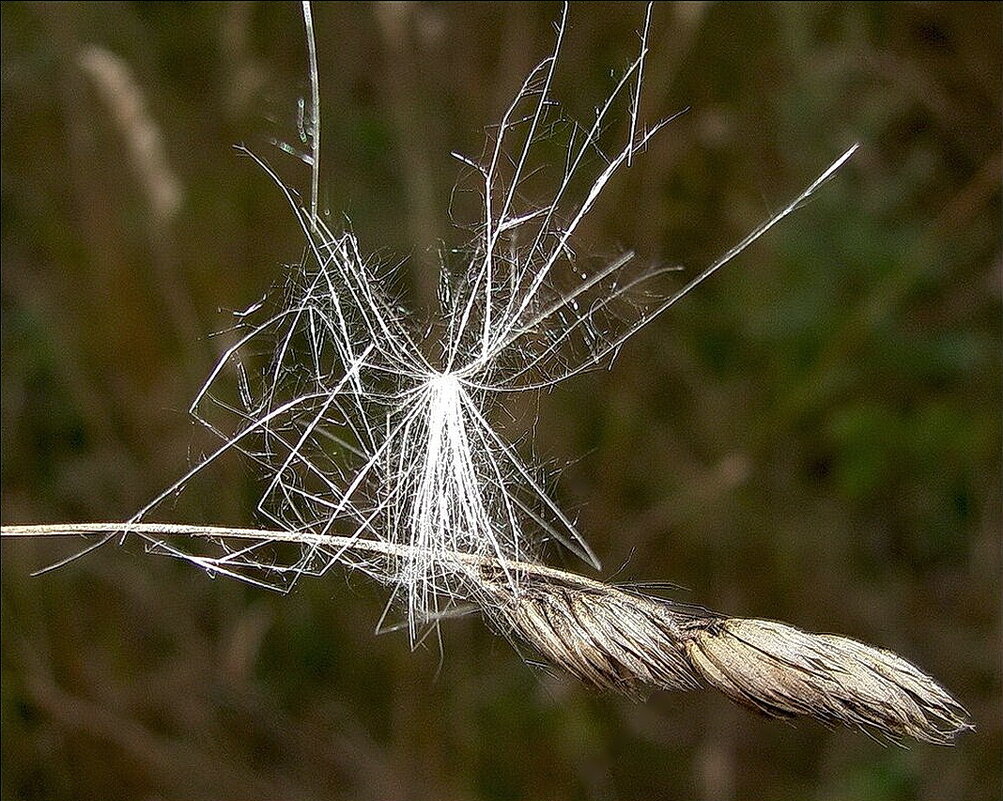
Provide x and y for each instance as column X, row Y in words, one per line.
column 813, row 436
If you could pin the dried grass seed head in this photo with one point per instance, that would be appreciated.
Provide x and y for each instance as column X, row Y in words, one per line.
column 782, row 671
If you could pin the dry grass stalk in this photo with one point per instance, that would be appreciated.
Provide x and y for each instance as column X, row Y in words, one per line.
column 627, row 642
column 143, row 139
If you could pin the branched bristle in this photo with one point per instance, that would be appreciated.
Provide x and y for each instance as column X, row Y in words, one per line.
column 371, row 423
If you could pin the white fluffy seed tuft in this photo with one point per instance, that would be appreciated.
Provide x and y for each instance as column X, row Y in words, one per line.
column 373, row 424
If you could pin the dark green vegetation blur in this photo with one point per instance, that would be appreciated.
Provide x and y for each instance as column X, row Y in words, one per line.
column 813, row 435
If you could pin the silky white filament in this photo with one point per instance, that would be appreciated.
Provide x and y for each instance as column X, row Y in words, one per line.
column 371, row 424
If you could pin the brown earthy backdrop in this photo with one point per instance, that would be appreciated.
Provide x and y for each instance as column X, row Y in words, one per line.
column 814, row 435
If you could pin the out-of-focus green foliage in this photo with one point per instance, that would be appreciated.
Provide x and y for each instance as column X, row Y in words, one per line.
column 814, row 435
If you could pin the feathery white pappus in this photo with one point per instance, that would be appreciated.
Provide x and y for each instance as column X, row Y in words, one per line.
column 371, row 421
